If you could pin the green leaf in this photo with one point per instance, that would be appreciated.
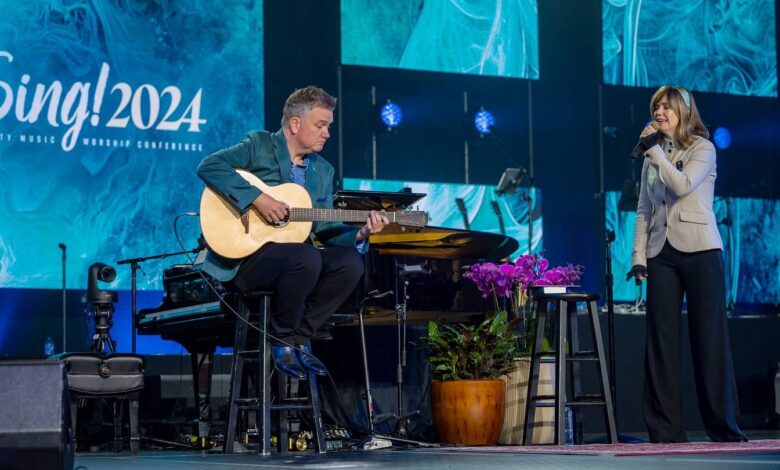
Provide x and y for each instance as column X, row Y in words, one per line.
column 483, row 349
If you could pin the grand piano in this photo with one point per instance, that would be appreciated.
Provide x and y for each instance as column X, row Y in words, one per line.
column 429, row 260
column 196, row 318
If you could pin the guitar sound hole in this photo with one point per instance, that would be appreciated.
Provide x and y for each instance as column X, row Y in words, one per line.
column 282, row 222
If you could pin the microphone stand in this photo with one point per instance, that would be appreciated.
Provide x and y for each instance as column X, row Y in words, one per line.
column 610, row 237
column 402, row 273
column 609, row 286
column 609, row 281
column 64, row 301
column 134, row 266
column 375, row 440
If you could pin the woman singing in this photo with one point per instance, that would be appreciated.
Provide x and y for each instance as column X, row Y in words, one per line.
column 678, row 249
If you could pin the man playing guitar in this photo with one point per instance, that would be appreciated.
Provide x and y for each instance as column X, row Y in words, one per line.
column 309, row 282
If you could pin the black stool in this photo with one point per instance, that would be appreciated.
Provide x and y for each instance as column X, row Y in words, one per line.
column 263, row 404
column 115, row 375
column 568, row 353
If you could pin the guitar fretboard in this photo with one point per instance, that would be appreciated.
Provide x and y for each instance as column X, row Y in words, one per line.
column 298, row 214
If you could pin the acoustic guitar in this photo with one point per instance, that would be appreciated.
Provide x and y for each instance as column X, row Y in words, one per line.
column 234, row 235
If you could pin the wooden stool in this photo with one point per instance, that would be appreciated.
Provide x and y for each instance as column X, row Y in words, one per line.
column 568, row 354
column 262, row 404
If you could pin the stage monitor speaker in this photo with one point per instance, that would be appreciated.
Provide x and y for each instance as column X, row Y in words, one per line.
column 35, row 427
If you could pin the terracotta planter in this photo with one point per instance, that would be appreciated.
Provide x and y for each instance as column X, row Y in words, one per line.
column 469, row 412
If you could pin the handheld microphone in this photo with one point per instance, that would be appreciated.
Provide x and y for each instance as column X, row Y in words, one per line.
column 637, row 151
column 639, row 148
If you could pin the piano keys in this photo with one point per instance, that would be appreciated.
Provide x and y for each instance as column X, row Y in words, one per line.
column 191, row 313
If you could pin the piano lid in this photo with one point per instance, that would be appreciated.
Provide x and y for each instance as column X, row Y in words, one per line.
column 443, row 243
column 375, row 200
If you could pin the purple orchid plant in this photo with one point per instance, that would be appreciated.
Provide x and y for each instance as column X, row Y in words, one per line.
column 509, row 279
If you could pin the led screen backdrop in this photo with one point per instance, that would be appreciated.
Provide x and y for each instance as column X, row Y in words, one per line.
column 498, row 38
column 751, row 248
column 442, row 209
column 726, row 46
column 106, row 107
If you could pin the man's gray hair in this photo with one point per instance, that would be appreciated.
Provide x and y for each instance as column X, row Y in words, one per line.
column 303, row 100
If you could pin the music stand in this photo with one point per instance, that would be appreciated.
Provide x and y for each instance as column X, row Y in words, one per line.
column 375, row 200
column 510, row 180
column 508, row 184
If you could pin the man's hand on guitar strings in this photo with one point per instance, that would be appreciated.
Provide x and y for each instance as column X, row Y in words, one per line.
column 271, row 209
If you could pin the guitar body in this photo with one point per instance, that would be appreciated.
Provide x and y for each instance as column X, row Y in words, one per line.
column 227, row 234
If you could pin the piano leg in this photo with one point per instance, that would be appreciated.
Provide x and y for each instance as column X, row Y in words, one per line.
column 201, row 385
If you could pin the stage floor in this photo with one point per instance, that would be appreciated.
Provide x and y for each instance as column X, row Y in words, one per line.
column 439, row 458
column 421, row 459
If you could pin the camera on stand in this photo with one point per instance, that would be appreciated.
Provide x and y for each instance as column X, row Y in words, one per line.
column 100, row 305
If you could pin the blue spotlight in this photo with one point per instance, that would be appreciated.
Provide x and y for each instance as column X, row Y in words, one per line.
column 722, row 138
column 391, row 115
column 484, row 121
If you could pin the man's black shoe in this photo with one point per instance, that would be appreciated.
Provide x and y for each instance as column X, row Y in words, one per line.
column 285, row 362
column 307, row 360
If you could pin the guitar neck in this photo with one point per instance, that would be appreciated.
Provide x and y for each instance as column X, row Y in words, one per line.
column 298, row 214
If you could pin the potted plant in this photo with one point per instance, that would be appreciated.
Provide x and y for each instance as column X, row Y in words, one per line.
column 467, row 395
column 512, row 284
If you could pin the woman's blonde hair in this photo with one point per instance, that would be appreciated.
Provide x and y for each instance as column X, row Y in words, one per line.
column 681, row 101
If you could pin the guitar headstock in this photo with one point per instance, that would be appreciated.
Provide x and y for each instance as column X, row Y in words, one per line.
column 417, row 219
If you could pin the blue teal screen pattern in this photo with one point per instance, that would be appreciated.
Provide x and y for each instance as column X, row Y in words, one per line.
column 497, row 38
column 106, row 108
column 726, row 46
column 751, row 248
column 443, row 211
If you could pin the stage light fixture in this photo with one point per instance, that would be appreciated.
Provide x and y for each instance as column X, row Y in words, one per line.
column 722, row 138
column 391, row 115
column 484, row 121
